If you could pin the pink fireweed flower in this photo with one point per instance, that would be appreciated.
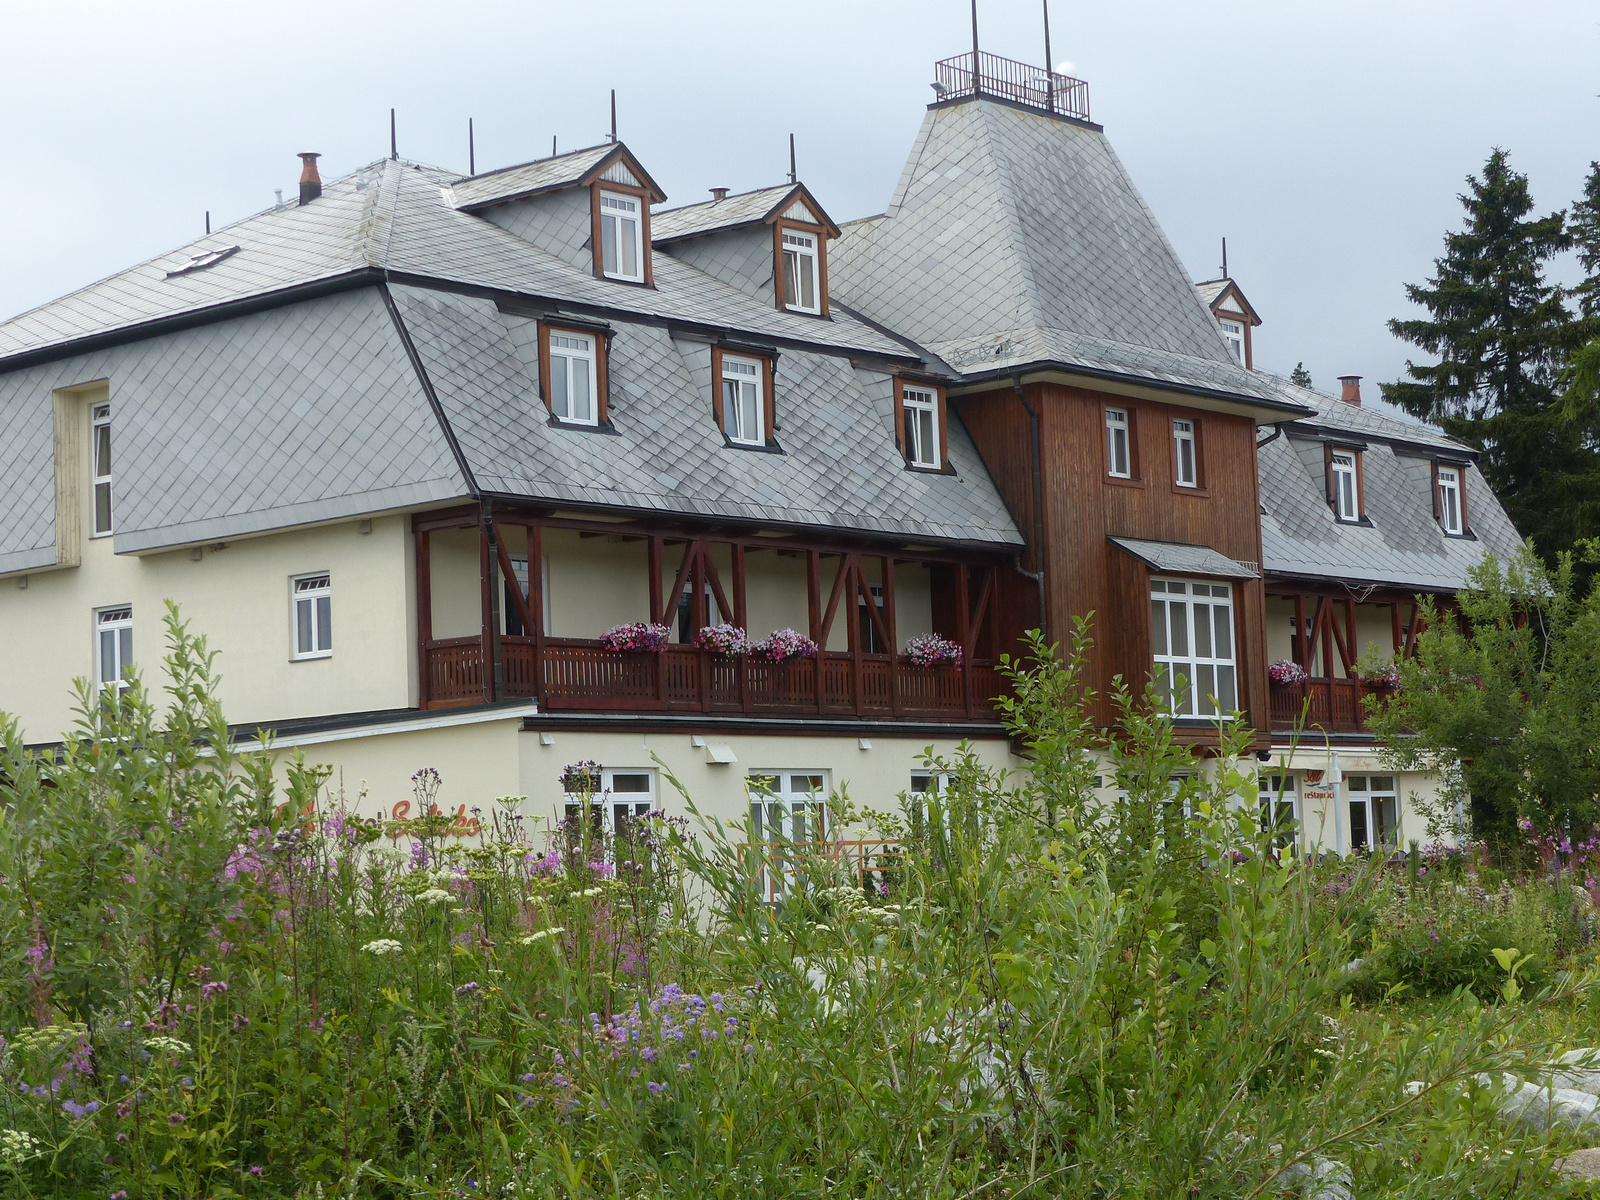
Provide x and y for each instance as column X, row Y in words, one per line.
column 215, row 988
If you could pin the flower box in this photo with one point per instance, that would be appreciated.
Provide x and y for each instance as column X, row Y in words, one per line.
column 1287, row 673
column 783, row 644
column 727, row 640
column 931, row 650
column 636, row 635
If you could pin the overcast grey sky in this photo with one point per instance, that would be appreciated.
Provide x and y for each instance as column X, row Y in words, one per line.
column 1326, row 141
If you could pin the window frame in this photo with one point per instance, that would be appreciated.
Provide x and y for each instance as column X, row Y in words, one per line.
column 1230, row 325
column 100, row 420
column 1355, row 474
column 940, row 423
column 599, row 190
column 311, row 596
column 1460, row 508
column 604, row 804
column 116, row 619
column 766, row 407
column 819, row 236
column 1196, row 484
column 599, row 375
column 1361, row 789
column 1161, row 591
column 1130, row 472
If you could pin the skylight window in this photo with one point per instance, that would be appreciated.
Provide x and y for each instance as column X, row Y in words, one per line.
column 207, row 258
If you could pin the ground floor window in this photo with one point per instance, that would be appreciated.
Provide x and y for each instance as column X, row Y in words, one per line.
column 113, row 645
column 625, row 796
column 1278, row 808
column 1374, row 811
column 786, row 808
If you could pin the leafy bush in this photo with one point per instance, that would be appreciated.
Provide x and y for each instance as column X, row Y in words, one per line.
column 214, row 987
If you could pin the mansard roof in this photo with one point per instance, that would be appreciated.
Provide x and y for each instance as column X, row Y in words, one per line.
column 1403, row 545
column 391, row 218
column 793, row 201
column 1015, row 239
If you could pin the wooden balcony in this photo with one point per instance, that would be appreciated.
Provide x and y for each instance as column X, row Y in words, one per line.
column 580, row 675
column 1335, row 705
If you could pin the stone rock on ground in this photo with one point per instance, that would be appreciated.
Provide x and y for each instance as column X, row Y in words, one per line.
column 1320, row 1179
column 1581, row 1164
column 1543, row 1107
column 1580, row 1071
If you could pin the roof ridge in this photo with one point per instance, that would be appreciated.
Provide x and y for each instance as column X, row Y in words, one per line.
column 777, row 187
column 457, row 177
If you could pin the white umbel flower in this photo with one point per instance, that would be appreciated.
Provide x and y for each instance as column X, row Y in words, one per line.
column 383, row 946
column 543, row 935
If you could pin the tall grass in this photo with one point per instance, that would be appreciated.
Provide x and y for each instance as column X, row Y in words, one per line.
column 218, row 985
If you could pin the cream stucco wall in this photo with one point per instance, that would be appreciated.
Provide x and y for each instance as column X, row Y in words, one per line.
column 1374, row 632
column 238, row 595
column 1323, row 794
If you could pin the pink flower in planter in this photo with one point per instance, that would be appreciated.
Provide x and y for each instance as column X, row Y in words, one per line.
column 724, row 639
column 930, row 650
column 783, row 644
column 636, row 635
column 1287, row 671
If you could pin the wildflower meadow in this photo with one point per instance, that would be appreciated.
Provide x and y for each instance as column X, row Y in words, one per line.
column 221, row 979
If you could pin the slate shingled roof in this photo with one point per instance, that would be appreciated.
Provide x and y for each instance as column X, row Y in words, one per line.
column 746, row 208
column 1403, row 545
column 1016, row 238
column 396, row 216
column 528, row 179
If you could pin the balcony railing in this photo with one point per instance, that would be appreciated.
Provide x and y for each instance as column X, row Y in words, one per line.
column 1335, row 704
column 1008, row 79
column 581, row 675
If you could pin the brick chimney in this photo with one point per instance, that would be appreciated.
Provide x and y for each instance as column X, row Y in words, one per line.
column 1350, row 391
column 310, row 181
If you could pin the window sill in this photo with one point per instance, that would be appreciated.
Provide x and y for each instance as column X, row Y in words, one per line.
column 807, row 312
column 1464, row 536
column 1179, row 489
column 321, row 655
column 1358, row 523
column 605, row 426
column 1126, row 481
column 642, row 283
column 753, row 447
column 924, row 469
column 106, row 534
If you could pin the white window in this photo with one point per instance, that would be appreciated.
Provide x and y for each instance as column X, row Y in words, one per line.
column 626, row 795
column 621, row 237
column 800, row 271
column 742, row 409
column 100, row 466
column 1450, row 499
column 1374, row 811
column 113, row 649
column 1119, row 460
column 921, row 407
column 572, row 382
column 1342, row 468
column 1233, row 331
column 786, row 808
column 1184, row 473
column 313, row 616
column 1191, row 638
column 1277, row 796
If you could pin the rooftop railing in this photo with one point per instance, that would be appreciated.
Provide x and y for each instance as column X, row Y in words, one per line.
column 1007, row 79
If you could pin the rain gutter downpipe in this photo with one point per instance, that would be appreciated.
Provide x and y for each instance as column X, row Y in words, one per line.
column 1037, row 575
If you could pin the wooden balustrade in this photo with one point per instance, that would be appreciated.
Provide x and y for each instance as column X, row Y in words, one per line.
column 581, row 675
column 1334, row 705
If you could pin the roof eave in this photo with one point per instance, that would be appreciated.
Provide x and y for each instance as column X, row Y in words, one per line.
column 1265, row 411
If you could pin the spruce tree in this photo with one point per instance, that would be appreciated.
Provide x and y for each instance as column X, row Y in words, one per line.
column 1585, row 230
column 1300, row 377
column 1502, row 334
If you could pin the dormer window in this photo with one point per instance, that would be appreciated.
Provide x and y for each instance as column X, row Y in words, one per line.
column 800, row 288
column 1344, row 482
column 743, row 405
column 1447, row 491
column 1233, row 331
column 922, row 442
column 572, row 371
column 621, row 237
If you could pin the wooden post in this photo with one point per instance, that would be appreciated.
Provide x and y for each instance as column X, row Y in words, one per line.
column 424, row 568
column 963, row 626
column 489, row 634
column 536, row 607
column 856, row 593
column 1352, row 647
column 1301, row 642
column 1394, row 630
column 741, row 618
column 814, row 614
column 653, row 555
column 887, row 567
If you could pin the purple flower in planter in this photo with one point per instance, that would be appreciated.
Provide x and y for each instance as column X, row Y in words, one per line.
column 636, row 635
column 783, row 644
column 1287, row 672
column 931, row 650
column 723, row 639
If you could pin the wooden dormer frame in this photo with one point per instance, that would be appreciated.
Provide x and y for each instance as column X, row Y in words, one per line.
column 646, row 191
column 822, row 230
column 1247, row 317
column 941, row 420
column 769, row 408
